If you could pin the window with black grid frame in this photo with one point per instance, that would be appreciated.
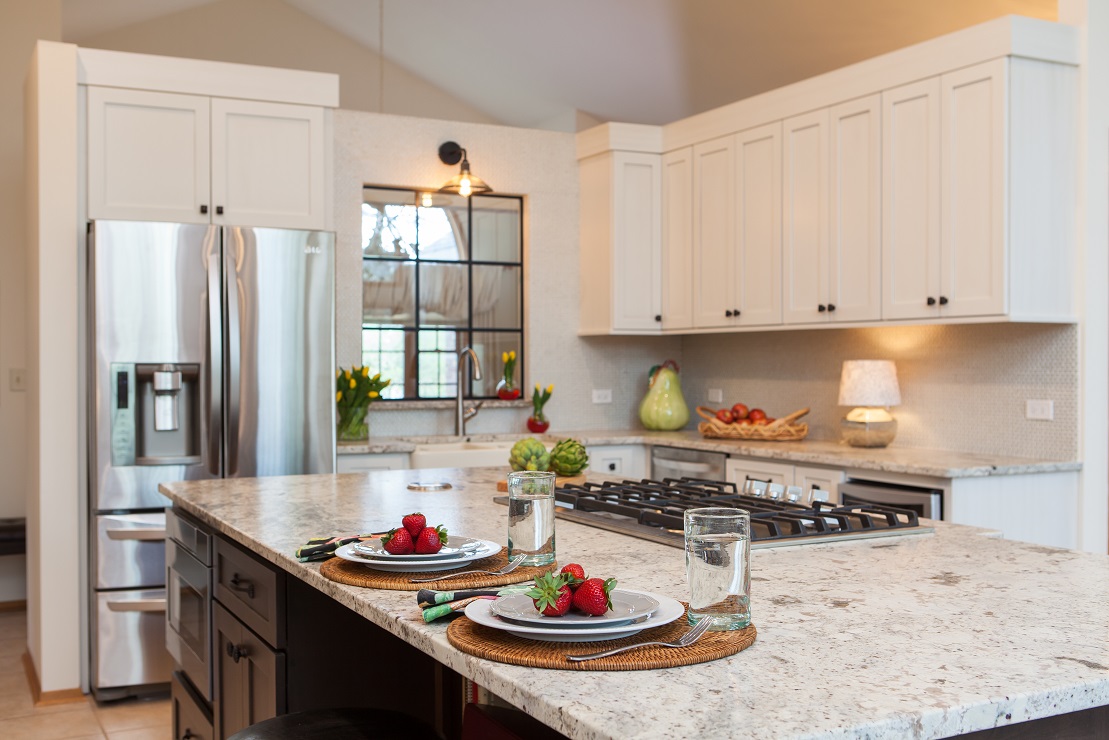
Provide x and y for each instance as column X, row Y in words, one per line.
column 440, row 272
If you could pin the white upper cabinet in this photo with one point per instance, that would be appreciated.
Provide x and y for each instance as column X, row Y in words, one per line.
column 805, row 218
column 148, row 156
column 170, row 157
column 621, row 244
column 757, row 270
column 677, row 239
column 714, row 209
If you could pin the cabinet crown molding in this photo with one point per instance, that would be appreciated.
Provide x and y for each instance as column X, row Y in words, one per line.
column 620, row 137
column 203, row 77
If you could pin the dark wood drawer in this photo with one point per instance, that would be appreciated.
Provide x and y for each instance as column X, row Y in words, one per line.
column 251, row 589
column 191, row 719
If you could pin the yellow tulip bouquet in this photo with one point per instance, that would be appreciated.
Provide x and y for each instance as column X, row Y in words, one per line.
column 355, row 390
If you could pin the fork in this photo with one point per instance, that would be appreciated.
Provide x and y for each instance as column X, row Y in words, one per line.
column 684, row 641
column 512, row 565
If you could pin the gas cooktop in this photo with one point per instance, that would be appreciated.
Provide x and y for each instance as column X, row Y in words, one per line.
column 653, row 510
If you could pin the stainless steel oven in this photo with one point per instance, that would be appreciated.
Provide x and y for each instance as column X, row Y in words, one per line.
column 189, row 599
column 926, row 502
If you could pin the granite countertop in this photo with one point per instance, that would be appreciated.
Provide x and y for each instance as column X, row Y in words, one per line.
column 895, row 459
column 920, row 636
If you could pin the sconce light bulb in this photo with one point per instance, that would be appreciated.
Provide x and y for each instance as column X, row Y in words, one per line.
column 426, row 200
column 464, row 187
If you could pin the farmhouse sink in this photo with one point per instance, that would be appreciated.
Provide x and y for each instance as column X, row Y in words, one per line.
column 461, row 455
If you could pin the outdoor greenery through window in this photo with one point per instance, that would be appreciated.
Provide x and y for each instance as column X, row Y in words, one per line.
column 440, row 272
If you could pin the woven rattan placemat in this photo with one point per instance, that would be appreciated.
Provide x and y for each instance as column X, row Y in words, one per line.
column 485, row 642
column 356, row 574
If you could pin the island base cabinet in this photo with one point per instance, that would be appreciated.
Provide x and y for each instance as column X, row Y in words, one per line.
column 249, row 675
column 191, row 719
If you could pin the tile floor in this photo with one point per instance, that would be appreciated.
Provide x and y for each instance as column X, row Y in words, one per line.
column 19, row 719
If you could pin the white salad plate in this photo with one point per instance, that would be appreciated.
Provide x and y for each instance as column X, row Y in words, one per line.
column 456, row 546
column 347, row 552
column 480, row 611
column 626, row 606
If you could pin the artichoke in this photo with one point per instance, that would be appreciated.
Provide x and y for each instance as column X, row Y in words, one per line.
column 568, row 457
column 529, row 454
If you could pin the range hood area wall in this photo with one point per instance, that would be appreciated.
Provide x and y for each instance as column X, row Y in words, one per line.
column 372, row 148
column 963, row 387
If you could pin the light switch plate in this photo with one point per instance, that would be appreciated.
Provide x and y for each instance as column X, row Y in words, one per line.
column 716, row 395
column 1039, row 410
column 602, row 395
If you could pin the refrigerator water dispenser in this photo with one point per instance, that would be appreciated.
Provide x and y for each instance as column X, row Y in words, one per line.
column 155, row 414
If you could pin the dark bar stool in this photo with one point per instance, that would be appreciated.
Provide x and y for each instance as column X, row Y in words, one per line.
column 13, row 536
column 339, row 724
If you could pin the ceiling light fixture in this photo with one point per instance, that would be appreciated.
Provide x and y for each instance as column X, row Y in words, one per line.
column 463, row 183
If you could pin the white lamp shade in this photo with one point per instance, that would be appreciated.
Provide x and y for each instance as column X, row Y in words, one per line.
column 869, row 383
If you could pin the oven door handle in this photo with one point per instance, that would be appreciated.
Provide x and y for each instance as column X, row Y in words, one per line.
column 138, row 605
column 151, row 534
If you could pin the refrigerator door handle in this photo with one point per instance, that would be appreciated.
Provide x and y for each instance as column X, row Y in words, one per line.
column 233, row 352
column 215, row 365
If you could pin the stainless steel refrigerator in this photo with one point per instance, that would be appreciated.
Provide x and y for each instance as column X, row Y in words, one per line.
column 212, row 355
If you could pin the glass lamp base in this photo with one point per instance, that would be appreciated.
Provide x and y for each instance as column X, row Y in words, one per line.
column 868, row 433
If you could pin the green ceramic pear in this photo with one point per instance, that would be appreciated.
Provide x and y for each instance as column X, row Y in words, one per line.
column 663, row 408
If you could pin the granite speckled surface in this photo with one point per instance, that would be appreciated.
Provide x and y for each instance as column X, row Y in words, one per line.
column 918, row 636
column 893, row 459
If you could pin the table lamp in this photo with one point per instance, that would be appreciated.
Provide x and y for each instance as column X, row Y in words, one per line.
column 871, row 387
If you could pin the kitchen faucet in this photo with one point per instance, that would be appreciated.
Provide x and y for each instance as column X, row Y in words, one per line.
column 463, row 416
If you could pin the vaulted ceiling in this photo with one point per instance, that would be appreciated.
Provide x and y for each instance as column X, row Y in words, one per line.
column 531, row 63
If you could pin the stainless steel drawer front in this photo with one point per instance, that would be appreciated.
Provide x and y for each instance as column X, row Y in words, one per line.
column 130, row 550
column 131, row 637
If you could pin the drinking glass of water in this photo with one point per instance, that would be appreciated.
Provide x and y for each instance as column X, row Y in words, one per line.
column 717, row 566
column 531, row 516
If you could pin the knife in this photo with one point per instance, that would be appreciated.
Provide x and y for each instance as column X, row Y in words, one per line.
column 434, row 612
column 427, row 597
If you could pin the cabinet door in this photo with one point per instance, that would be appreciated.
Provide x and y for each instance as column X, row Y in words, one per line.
column 147, row 156
column 366, row 463
column 757, row 270
column 855, row 249
column 268, row 164
column 677, row 239
column 739, row 470
column 714, row 208
column 822, row 479
column 637, row 244
column 911, row 200
column 249, row 676
column 972, row 261
column 805, row 218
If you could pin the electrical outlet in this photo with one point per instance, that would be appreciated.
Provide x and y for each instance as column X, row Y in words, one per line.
column 716, row 395
column 1039, row 410
column 602, row 395
column 17, row 380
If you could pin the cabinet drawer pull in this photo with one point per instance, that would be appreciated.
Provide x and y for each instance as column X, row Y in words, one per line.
column 931, row 301
column 236, row 652
column 242, row 584
column 821, row 308
column 943, row 300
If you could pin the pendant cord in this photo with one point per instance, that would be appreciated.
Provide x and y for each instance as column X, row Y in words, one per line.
column 380, row 56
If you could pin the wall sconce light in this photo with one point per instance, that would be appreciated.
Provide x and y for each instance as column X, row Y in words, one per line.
column 871, row 386
column 463, row 183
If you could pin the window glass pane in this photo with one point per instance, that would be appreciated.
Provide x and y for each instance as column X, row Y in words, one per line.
column 437, row 364
column 444, row 294
column 388, row 292
column 388, row 223
column 490, row 346
column 442, row 226
column 496, row 224
column 497, row 297
column 383, row 352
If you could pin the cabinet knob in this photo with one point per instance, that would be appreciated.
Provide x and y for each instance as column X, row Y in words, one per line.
column 242, row 584
column 728, row 313
column 931, row 301
column 188, row 734
column 658, row 317
column 821, row 308
column 943, row 300
column 235, row 652
column 831, row 307
column 204, row 209
column 735, row 312
column 612, row 467
column 219, row 210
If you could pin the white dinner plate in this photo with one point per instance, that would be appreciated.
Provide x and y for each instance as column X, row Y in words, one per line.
column 668, row 610
column 626, row 606
column 456, row 547
column 347, row 552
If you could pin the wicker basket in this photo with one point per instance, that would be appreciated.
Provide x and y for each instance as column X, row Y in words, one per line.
column 779, row 430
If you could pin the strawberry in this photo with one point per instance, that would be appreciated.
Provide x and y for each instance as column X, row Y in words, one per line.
column 592, row 596
column 551, row 595
column 414, row 523
column 398, row 542
column 575, row 574
column 431, row 540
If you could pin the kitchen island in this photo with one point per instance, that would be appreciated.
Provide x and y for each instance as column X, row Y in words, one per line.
column 924, row 635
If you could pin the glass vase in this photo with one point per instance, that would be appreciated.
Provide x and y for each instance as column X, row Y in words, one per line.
column 352, row 426
column 507, row 390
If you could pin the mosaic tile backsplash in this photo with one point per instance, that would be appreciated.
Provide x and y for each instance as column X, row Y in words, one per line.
column 963, row 387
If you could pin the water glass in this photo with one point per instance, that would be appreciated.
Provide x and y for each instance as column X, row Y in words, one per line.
column 531, row 516
column 717, row 566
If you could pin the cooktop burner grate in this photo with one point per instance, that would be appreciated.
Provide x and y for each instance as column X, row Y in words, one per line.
column 654, row 510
